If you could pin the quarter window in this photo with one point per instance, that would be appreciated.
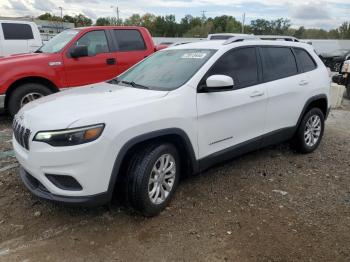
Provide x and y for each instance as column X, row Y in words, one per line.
column 14, row 31
column 278, row 62
column 96, row 42
column 240, row 64
column 129, row 40
column 304, row 60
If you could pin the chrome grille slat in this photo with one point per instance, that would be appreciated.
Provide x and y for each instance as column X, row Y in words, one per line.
column 26, row 138
column 21, row 134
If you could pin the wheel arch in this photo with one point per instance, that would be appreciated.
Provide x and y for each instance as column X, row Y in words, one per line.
column 26, row 80
column 176, row 136
column 318, row 101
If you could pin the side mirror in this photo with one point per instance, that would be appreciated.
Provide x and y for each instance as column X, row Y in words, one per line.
column 79, row 51
column 217, row 83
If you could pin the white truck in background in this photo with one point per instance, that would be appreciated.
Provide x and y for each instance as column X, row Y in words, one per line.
column 18, row 37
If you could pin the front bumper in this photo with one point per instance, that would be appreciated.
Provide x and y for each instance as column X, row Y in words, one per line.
column 89, row 164
column 2, row 101
column 39, row 190
column 341, row 79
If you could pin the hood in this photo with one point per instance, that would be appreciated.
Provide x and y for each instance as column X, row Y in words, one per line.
column 32, row 57
column 337, row 55
column 333, row 58
column 62, row 109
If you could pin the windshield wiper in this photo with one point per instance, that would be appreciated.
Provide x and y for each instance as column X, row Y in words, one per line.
column 114, row 81
column 133, row 84
column 38, row 51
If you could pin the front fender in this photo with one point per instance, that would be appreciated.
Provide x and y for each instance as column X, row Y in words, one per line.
column 147, row 136
column 11, row 73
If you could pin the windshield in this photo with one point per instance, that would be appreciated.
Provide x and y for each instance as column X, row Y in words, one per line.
column 58, row 42
column 221, row 37
column 340, row 52
column 166, row 70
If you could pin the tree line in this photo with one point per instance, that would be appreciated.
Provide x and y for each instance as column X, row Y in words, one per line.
column 191, row 26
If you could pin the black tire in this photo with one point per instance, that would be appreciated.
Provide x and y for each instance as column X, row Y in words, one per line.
column 138, row 177
column 348, row 91
column 14, row 103
column 300, row 140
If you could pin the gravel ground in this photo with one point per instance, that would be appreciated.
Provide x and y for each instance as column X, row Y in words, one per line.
column 269, row 205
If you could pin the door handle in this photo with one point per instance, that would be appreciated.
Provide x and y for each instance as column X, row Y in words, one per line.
column 303, row 83
column 111, row 61
column 257, row 93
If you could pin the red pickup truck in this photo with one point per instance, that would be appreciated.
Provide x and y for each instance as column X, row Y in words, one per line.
column 73, row 58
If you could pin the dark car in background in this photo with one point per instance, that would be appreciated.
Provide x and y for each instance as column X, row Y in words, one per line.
column 334, row 60
column 343, row 78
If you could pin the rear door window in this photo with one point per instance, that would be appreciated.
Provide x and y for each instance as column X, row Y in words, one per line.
column 278, row 62
column 240, row 64
column 305, row 62
column 13, row 31
column 129, row 40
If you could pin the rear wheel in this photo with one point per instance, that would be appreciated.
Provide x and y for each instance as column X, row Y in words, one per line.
column 348, row 90
column 24, row 94
column 152, row 178
column 310, row 131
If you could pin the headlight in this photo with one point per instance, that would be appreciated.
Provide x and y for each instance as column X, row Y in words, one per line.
column 70, row 137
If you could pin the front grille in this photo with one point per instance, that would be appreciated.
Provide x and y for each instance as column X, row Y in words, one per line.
column 21, row 134
column 335, row 66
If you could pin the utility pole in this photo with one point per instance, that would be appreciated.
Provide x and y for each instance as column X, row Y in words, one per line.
column 61, row 18
column 203, row 15
column 116, row 9
column 243, row 22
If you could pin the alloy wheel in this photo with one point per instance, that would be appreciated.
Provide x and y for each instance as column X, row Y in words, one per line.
column 162, row 179
column 312, row 130
column 29, row 98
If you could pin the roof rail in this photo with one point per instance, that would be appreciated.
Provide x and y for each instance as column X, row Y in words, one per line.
column 240, row 39
column 279, row 37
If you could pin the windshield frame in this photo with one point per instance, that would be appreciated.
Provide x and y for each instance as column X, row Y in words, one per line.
column 78, row 32
column 118, row 80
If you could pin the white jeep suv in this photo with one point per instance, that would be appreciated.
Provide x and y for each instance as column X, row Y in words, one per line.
column 177, row 112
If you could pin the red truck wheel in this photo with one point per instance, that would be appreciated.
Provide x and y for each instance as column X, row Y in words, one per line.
column 24, row 94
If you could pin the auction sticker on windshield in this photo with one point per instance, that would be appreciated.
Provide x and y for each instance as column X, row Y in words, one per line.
column 194, row 55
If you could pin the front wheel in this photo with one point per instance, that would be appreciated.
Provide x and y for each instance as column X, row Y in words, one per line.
column 152, row 178
column 310, row 131
column 24, row 94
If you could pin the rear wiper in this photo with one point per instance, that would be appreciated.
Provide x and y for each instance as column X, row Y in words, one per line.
column 133, row 84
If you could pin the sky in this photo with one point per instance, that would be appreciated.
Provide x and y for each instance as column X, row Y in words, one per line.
column 311, row 14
